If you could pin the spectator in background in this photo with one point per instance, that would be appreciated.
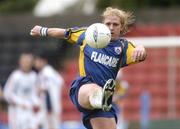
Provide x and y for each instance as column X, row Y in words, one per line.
column 21, row 94
column 50, row 85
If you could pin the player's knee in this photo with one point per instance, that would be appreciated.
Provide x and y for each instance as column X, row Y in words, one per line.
column 83, row 97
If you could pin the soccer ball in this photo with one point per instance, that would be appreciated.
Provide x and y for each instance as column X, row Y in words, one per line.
column 97, row 35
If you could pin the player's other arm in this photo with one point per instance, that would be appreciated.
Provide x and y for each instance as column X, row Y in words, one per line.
column 139, row 53
column 51, row 32
column 133, row 54
column 8, row 90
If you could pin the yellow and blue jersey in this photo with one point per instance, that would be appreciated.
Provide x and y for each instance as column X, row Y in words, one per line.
column 100, row 64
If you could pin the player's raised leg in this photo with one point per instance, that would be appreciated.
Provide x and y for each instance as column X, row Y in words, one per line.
column 92, row 96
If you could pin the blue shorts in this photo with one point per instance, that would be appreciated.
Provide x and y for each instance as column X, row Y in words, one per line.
column 88, row 114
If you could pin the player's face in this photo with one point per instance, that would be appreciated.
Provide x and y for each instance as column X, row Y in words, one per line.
column 113, row 23
column 26, row 62
column 39, row 63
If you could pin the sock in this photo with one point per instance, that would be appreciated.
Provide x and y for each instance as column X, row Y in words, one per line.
column 95, row 99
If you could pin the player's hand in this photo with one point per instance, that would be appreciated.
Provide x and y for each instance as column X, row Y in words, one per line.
column 36, row 109
column 12, row 103
column 36, row 31
column 139, row 53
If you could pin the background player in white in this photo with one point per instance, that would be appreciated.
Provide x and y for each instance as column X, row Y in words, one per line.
column 20, row 93
column 50, row 85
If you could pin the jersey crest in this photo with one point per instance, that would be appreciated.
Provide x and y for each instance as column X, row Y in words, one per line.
column 118, row 50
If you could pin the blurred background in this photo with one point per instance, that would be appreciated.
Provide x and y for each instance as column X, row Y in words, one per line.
column 152, row 100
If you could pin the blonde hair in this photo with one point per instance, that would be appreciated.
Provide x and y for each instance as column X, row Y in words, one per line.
column 126, row 18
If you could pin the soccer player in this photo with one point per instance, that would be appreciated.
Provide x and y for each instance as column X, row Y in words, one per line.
column 50, row 84
column 91, row 92
column 21, row 94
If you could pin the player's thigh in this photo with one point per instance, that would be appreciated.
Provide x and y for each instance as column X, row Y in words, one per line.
column 26, row 120
column 103, row 123
column 84, row 92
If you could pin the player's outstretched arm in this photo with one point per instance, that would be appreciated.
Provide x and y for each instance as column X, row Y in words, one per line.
column 139, row 53
column 44, row 31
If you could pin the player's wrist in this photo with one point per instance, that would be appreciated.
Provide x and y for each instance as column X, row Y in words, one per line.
column 44, row 31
